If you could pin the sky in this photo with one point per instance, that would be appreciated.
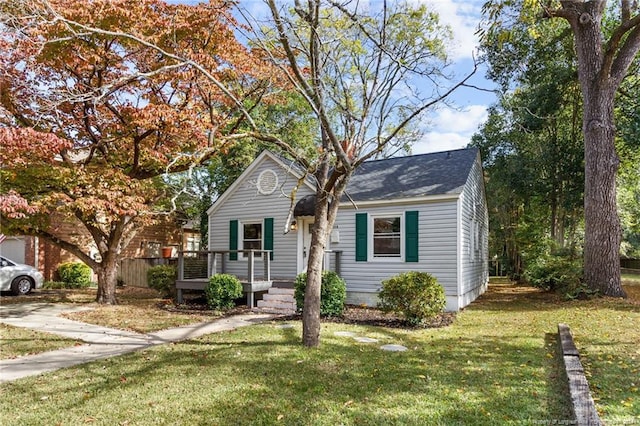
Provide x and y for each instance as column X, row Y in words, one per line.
column 452, row 128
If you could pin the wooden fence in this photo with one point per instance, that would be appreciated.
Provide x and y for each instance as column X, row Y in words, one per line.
column 630, row 263
column 133, row 272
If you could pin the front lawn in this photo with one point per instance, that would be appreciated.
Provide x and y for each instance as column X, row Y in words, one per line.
column 497, row 364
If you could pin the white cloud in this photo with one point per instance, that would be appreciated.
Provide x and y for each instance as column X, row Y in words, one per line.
column 463, row 18
column 450, row 129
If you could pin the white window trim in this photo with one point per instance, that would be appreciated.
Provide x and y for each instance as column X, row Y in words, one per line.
column 370, row 232
column 241, row 224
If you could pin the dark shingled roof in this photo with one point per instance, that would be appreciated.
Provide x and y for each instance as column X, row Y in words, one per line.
column 414, row 176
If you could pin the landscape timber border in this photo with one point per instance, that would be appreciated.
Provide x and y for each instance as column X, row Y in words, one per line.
column 582, row 405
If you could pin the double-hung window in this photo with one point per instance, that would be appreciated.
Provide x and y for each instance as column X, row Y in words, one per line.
column 251, row 237
column 392, row 237
column 387, row 236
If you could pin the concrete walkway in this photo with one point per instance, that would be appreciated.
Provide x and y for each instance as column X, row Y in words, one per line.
column 100, row 342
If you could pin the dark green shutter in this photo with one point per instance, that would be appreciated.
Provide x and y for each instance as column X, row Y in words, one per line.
column 268, row 235
column 411, row 236
column 361, row 237
column 233, row 239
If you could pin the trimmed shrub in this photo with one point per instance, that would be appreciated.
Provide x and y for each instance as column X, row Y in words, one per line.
column 333, row 293
column 222, row 291
column 163, row 279
column 74, row 274
column 415, row 295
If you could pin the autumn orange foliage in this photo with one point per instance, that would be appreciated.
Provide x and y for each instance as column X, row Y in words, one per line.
column 99, row 99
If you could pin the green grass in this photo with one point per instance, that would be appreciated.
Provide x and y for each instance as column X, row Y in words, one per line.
column 497, row 364
column 261, row 375
column 631, row 279
column 18, row 341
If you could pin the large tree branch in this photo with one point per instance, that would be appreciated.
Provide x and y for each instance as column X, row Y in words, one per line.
column 627, row 52
column 63, row 244
column 298, row 78
column 276, row 140
column 413, row 115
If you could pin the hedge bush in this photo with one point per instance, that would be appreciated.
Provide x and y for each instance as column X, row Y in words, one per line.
column 333, row 293
column 415, row 295
column 163, row 279
column 74, row 274
column 222, row 291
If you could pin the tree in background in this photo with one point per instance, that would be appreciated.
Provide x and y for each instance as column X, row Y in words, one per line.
column 90, row 121
column 605, row 50
column 194, row 191
column 628, row 143
column 532, row 147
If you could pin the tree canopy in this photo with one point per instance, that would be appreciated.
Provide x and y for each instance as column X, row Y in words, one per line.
column 160, row 88
column 89, row 119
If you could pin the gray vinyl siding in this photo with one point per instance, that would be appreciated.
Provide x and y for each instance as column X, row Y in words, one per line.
column 474, row 254
column 246, row 204
column 437, row 247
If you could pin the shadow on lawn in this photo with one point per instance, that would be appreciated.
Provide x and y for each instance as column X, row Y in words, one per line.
column 253, row 379
column 508, row 297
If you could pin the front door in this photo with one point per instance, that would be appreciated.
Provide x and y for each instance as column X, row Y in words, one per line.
column 305, row 227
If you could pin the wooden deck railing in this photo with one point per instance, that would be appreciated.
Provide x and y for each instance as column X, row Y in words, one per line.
column 196, row 267
column 206, row 263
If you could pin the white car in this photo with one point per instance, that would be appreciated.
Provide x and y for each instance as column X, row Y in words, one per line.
column 17, row 278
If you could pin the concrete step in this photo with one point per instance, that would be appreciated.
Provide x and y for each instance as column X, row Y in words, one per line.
column 278, row 300
column 278, row 297
column 279, row 290
column 276, row 305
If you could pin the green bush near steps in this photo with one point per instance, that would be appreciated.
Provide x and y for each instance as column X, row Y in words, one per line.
column 74, row 274
column 333, row 293
column 415, row 295
column 222, row 291
column 163, row 279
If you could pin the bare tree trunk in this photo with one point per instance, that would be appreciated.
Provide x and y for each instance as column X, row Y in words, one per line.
column 554, row 215
column 107, row 281
column 311, row 310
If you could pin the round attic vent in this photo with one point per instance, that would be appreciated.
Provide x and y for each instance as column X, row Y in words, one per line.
column 267, row 182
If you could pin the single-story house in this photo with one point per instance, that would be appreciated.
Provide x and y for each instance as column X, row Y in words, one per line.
column 423, row 212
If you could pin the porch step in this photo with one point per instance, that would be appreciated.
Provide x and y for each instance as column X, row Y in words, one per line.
column 278, row 301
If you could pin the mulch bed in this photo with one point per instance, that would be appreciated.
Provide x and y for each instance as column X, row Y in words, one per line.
column 360, row 315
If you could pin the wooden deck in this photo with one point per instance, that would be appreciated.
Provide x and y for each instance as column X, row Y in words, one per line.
column 196, row 267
